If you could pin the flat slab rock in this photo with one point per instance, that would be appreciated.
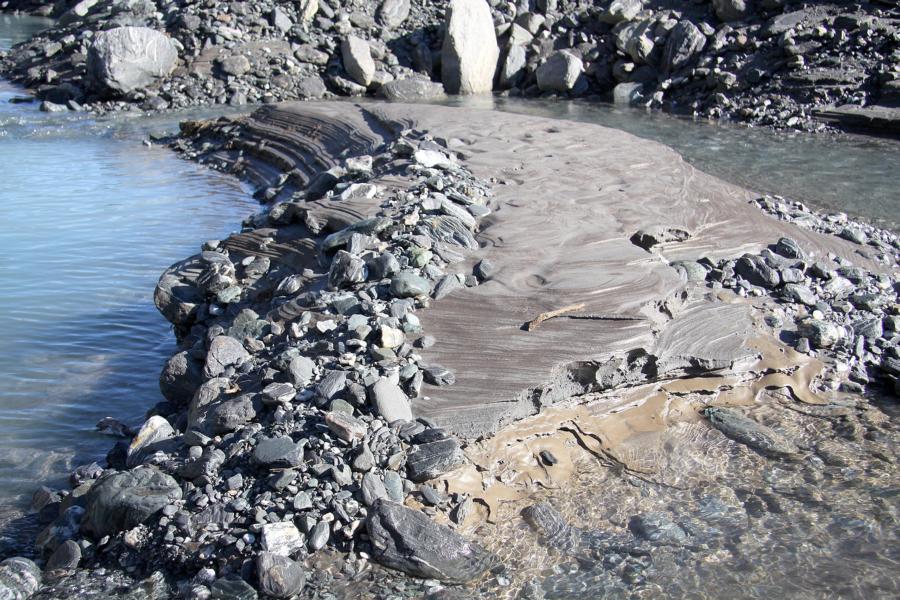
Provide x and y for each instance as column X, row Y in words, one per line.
column 408, row 540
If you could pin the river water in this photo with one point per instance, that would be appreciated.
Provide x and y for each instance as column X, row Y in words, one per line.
column 90, row 218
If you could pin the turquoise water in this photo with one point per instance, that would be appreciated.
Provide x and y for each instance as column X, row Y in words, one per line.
column 90, row 218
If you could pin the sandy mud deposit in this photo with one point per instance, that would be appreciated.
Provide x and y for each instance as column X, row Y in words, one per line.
column 535, row 358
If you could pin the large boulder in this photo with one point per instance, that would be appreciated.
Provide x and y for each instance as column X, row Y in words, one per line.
column 470, row 52
column 125, row 59
column 126, row 499
column 392, row 13
column 408, row 540
column 358, row 61
column 180, row 378
column 560, row 72
column 279, row 576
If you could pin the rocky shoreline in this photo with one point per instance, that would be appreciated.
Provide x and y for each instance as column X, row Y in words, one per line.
column 402, row 302
column 778, row 63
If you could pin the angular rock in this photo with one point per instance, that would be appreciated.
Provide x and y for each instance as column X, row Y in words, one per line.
column 560, row 72
column 358, row 61
column 279, row 576
column 180, row 378
column 278, row 453
column 469, row 53
column 154, row 430
column 433, row 459
column 391, row 402
column 236, row 65
column 372, row 488
column 125, row 59
column 231, row 587
column 282, row 539
column 620, row 11
column 731, row 10
column 301, row 370
column 821, row 334
column 684, row 44
column 346, row 270
column 65, row 558
column 224, row 352
column 345, row 426
column 755, row 270
column 439, row 375
column 408, row 540
column 554, row 530
column 513, row 66
column 124, row 500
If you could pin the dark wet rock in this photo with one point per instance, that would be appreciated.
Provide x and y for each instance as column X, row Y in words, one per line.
column 434, row 458
column 747, row 431
column 124, row 59
column 372, row 488
column 180, row 378
column 65, row 558
column 346, row 270
column 799, row 294
column 278, row 453
column 788, row 248
column 408, row 540
column 279, row 576
column 732, row 10
column 657, row 528
column 123, row 500
column 553, row 528
column 224, row 352
column 755, row 270
column 232, row 588
column 20, row 578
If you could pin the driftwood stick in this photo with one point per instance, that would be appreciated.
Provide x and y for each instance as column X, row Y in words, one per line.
column 536, row 322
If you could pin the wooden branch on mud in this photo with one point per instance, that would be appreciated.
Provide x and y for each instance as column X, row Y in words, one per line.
column 563, row 312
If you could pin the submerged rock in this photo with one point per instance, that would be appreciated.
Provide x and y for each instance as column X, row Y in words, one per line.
column 408, row 540
column 747, row 431
column 19, row 578
column 279, row 576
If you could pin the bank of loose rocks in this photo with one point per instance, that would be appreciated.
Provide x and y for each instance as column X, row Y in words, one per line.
column 781, row 63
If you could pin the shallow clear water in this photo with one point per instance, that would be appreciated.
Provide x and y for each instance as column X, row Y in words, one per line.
column 90, row 218
column 839, row 173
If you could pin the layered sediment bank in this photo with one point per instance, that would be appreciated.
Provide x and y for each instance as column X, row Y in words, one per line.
column 442, row 316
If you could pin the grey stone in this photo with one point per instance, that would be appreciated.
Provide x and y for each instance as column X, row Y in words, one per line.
column 513, row 66
column 412, row 89
column 311, row 87
column 278, row 393
column 684, row 44
column 731, row 10
column 123, row 500
column 358, row 62
column 346, row 270
column 469, row 53
column 372, row 488
column 236, row 65
column 485, row 269
column 560, row 72
column 628, row 94
column 408, row 540
column 125, row 59
column 392, row 13
column 231, row 588
column 318, row 537
column 821, row 334
column 621, row 10
column 301, row 370
column 302, row 501
column 447, row 285
column 65, row 558
column 393, row 483
column 332, row 384
column 799, row 294
column 154, row 430
column 408, row 284
column 20, row 578
column 224, row 352
column 281, row 21
column 439, row 375
column 755, row 270
column 658, row 528
column 279, row 576
column 788, row 248
column 390, row 401
column 278, row 453
column 180, row 378
column 364, row 461
column 433, row 457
